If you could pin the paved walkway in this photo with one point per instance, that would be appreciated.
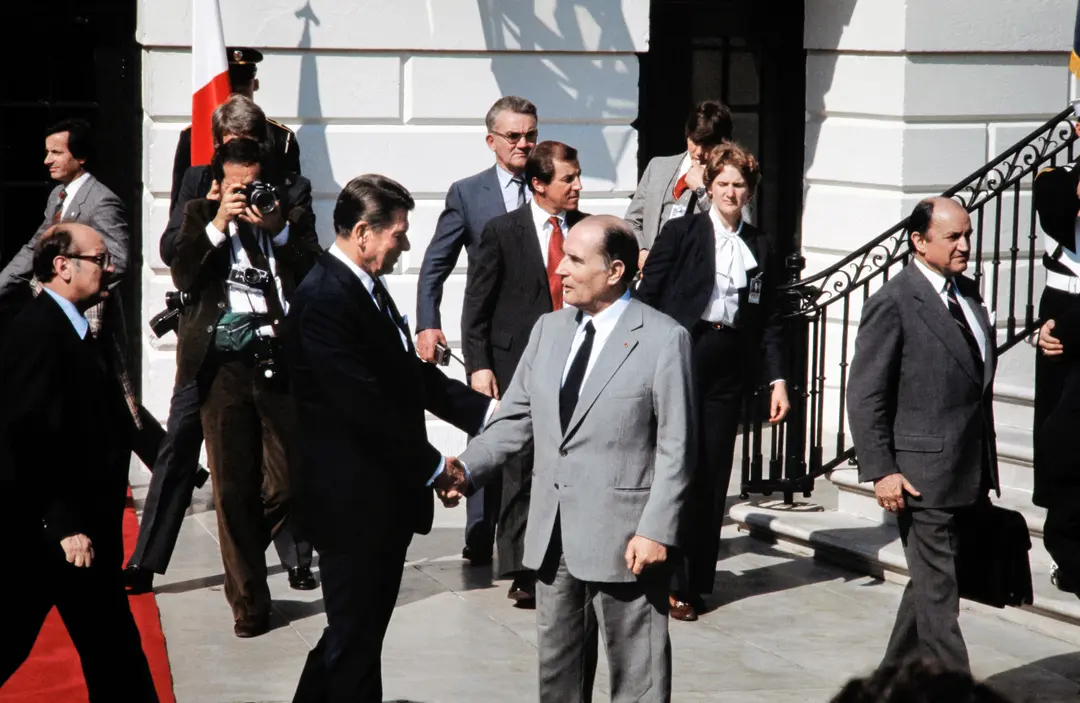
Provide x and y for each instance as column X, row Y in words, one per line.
column 785, row 628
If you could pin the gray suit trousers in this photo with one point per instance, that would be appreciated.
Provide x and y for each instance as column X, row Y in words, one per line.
column 927, row 622
column 634, row 620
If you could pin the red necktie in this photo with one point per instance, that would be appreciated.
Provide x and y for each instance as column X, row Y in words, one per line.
column 59, row 204
column 554, row 258
column 680, row 187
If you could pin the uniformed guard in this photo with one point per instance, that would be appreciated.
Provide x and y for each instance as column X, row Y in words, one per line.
column 1057, row 372
column 243, row 64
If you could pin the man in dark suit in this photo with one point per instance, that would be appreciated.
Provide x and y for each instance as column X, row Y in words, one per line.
column 59, row 391
column 920, row 405
column 366, row 463
column 241, row 265
column 511, row 284
column 243, row 63
column 470, row 204
column 1056, row 193
column 175, row 472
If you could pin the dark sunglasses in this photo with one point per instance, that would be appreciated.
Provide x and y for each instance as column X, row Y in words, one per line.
column 515, row 137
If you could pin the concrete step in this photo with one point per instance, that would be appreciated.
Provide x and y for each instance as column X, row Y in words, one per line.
column 872, row 547
column 857, row 499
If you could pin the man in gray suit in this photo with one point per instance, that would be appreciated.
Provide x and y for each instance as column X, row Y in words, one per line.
column 603, row 393
column 673, row 186
column 920, row 405
column 78, row 197
column 470, row 203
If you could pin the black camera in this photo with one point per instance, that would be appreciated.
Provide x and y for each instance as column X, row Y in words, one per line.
column 168, row 320
column 249, row 276
column 261, row 196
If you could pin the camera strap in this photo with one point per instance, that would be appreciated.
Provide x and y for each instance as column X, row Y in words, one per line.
column 258, row 259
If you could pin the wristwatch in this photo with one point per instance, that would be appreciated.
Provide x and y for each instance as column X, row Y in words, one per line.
column 701, row 192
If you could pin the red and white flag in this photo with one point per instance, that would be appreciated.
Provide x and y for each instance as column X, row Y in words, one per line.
column 209, row 76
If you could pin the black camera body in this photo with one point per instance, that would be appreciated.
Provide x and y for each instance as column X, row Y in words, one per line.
column 261, row 196
column 168, row 320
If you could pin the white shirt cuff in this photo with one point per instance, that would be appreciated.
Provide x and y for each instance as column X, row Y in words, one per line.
column 216, row 238
column 282, row 237
column 490, row 411
column 773, row 383
column 439, row 470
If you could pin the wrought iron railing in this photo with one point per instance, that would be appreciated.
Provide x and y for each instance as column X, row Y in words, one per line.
column 1005, row 239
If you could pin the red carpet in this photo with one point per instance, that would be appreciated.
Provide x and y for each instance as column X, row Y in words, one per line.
column 52, row 673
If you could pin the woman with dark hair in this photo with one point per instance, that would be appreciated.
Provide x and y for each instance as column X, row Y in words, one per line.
column 717, row 276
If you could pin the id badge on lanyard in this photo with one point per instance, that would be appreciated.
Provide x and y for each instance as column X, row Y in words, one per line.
column 754, row 296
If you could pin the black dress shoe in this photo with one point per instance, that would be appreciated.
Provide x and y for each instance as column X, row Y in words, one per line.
column 301, row 579
column 475, row 558
column 138, row 580
column 523, row 592
column 200, row 477
column 252, row 627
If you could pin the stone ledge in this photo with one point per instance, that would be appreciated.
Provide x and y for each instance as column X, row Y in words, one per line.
column 872, row 548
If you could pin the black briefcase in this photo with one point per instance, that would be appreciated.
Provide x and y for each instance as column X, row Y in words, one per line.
column 992, row 564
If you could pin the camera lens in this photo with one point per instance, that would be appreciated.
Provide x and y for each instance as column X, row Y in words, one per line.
column 252, row 277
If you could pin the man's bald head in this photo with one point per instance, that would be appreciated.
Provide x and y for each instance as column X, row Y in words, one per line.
column 940, row 231
column 71, row 259
column 599, row 262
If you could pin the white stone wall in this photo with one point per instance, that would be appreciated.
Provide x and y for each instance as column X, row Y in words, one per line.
column 400, row 87
column 903, row 99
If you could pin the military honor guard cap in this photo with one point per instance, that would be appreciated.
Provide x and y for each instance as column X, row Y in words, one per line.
column 242, row 62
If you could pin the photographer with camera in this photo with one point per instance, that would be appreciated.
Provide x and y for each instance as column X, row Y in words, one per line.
column 172, row 483
column 241, row 258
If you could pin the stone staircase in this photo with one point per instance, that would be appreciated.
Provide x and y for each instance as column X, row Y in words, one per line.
column 859, row 535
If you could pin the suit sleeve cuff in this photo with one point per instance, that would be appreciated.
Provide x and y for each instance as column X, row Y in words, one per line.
column 438, row 471
column 487, row 415
column 282, row 237
column 216, row 238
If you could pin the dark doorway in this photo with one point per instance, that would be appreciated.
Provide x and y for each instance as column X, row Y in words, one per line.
column 86, row 65
column 749, row 55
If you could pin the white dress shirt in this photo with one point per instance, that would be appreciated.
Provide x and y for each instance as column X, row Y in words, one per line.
column 733, row 260
column 369, row 286
column 938, row 282
column 542, row 220
column 510, row 189
column 603, row 324
column 70, row 190
column 242, row 298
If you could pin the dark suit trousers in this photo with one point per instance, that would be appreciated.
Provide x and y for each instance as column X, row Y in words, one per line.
column 927, row 622
column 173, row 482
column 360, row 589
column 481, row 518
column 515, row 493
column 721, row 386
column 94, row 607
column 1057, row 409
column 250, row 426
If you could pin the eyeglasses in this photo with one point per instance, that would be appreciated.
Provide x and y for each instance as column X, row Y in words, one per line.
column 514, row 137
column 104, row 259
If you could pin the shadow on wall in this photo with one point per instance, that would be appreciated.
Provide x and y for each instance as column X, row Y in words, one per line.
column 311, row 135
column 820, row 79
column 601, row 90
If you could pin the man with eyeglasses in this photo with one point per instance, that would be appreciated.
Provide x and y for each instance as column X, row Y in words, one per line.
column 65, row 443
column 80, row 197
column 470, row 204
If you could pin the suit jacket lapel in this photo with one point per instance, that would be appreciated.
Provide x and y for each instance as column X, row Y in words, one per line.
column 75, row 209
column 618, row 347
column 493, row 190
column 669, row 188
column 360, row 296
column 937, row 317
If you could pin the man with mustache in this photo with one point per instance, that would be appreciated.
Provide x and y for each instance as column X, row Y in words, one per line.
column 513, row 283
column 920, row 402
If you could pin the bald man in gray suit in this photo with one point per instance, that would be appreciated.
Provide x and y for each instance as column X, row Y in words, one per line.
column 603, row 393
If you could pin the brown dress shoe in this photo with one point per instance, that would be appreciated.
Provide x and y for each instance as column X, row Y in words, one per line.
column 252, row 626
column 681, row 610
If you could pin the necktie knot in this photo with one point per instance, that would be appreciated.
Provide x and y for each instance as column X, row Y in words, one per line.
column 555, row 222
column 519, row 183
column 62, row 194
